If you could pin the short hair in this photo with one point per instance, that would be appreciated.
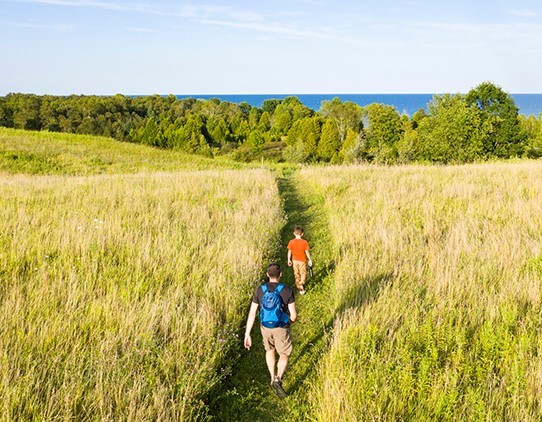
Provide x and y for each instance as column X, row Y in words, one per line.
column 298, row 230
column 273, row 270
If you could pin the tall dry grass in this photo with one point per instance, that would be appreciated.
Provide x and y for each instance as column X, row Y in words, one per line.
column 438, row 299
column 120, row 295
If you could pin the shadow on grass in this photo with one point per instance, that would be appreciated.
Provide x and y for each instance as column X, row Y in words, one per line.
column 245, row 395
column 314, row 347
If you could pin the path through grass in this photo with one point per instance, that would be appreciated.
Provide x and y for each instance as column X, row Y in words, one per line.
column 246, row 395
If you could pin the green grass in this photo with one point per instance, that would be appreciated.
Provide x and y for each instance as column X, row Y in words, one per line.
column 121, row 295
column 124, row 295
column 59, row 153
column 438, row 293
column 246, row 395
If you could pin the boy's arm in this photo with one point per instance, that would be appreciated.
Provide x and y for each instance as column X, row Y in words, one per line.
column 289, row 258
column 250, row 323
column 309, row 259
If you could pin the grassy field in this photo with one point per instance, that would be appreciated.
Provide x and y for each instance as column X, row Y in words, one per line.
column 437, row 293
column 121, row 295
column 126, row 274
column 61, row 153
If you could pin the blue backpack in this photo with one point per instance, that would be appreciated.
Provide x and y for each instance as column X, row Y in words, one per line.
column 272, row 315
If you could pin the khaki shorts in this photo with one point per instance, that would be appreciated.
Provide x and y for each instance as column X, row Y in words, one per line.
column 278, row 339
column 300, row 273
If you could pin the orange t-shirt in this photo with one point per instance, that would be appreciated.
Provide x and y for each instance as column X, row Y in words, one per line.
column 298, row 248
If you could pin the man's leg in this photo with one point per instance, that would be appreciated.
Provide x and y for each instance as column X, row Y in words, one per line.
column 270, row 360
column 281, row 367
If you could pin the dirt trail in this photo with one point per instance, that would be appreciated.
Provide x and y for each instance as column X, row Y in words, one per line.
column 246, row 395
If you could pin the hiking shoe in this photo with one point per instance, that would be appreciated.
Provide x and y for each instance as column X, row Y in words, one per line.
column 302, row 291
column 277, row 385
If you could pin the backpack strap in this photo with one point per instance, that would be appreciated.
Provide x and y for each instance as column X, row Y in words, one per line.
column 264, row 288
column 279, row 288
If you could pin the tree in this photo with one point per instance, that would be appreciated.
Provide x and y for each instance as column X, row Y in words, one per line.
column 417, row 117
column 351, row 148
column 344, row 115
column 330, row 142
column 310, row 133
column 254, row 117
column 282, row 120
column 499, row 114
column 25, row 109
column 265, row 122
column 219, row 131
column 270, row 105
column 383, row 132
column 532, row 127
column 453, row 131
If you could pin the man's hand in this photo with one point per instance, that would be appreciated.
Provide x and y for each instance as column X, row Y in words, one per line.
column 310, row 262
column 289, row 263
column 248, row 341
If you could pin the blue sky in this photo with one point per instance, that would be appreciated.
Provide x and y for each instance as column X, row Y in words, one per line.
column 276, row 46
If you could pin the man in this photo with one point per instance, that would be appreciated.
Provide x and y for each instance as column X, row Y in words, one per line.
column 275, row 323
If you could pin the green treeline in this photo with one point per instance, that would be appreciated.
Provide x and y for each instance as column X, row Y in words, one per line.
column 483, row 124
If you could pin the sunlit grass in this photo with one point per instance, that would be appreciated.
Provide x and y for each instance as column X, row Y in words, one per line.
column 438, row 273
column 60, row 153
column 121, row 295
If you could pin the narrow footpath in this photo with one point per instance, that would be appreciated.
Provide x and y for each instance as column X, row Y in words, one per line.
column 246, row 395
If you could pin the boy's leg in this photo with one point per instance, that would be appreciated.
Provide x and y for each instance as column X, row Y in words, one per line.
column 297, row 274
column 303, row 274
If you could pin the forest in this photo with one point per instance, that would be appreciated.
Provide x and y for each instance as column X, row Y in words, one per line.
column 483, row 124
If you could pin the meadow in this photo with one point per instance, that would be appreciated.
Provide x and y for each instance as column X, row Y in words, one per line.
column 125, row 285
column 437, row 293
column 30, row 152
column 121, row 294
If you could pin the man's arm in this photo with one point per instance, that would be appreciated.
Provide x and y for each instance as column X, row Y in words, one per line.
column 293, row 312
column 250, row 323
column 289, row 258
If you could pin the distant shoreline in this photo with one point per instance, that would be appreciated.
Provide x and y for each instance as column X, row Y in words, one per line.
column 528, row 104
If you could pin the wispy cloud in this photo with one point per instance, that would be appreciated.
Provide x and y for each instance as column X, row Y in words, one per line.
column 277, row 29
column 112, row 6
column 225, row 16
column 287, row 26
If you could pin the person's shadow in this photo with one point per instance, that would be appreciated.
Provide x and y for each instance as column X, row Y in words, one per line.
column 356, row 297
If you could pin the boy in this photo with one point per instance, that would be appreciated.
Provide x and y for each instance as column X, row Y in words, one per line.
column 298, row 254
column 276, row 339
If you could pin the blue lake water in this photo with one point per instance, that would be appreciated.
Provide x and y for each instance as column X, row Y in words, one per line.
column 404, row 103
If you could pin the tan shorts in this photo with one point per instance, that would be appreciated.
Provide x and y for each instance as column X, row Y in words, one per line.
column 278, row 339
column 300, row 273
